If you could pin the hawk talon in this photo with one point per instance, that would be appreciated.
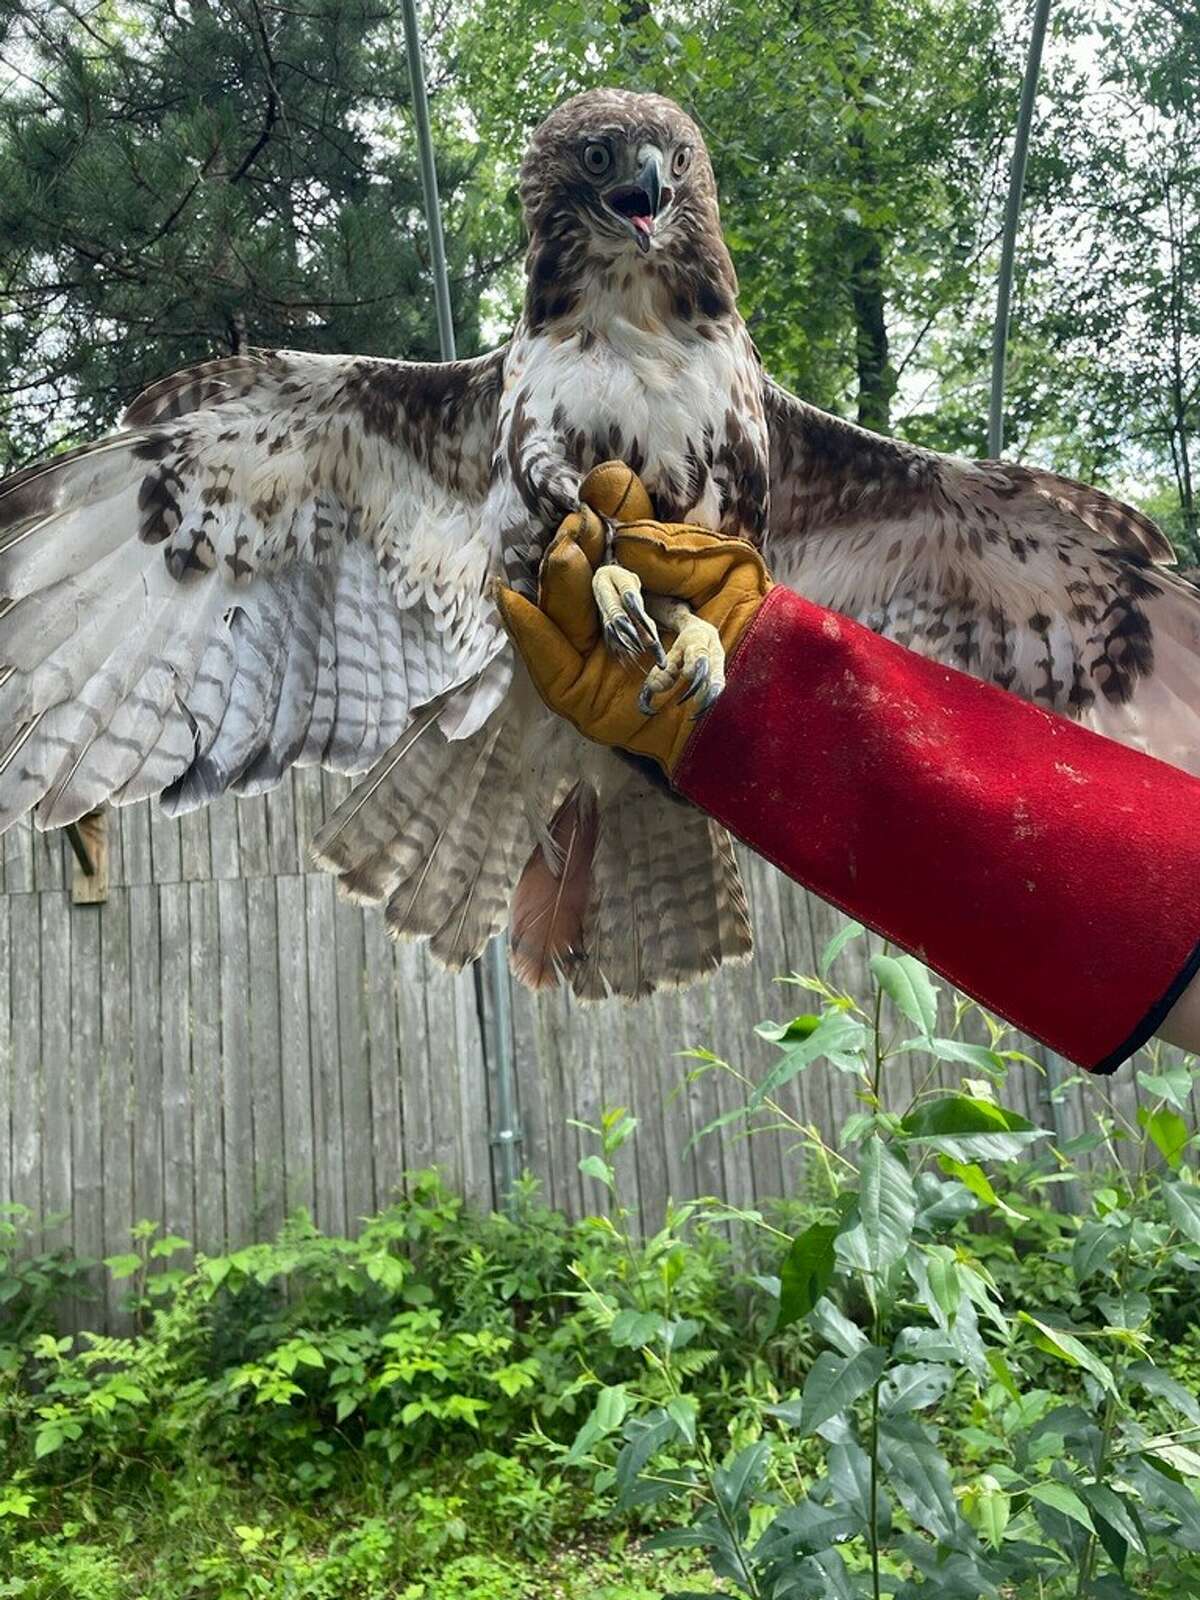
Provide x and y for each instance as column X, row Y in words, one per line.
column 632, row 601
column 711, row 695
column 700, row 675
column 622, row 637
column 628, row 628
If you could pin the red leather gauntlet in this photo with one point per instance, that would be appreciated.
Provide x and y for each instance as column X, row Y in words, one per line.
column 1048, row 872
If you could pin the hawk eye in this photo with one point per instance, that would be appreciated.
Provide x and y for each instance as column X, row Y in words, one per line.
column 597, row 158
column 681, row 161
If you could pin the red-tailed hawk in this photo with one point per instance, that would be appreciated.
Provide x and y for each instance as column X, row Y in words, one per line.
column 283, row 559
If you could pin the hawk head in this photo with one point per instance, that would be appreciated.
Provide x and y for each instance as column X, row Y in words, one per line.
column 611, row 179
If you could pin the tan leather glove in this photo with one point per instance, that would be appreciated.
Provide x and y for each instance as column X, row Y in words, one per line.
column 560, row 639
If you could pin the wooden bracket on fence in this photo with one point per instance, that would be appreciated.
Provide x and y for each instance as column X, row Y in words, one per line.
column 88, row 839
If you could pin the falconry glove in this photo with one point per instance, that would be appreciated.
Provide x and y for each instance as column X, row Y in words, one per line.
column 722, row 582
column 1043, row 869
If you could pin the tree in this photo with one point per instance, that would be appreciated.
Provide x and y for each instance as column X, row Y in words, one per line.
column 180, row 181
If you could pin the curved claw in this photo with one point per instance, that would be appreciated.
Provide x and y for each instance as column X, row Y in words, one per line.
column 622, row 638
column 633, row 604
column 646, row 701
column 701, row 673
column 709, row 699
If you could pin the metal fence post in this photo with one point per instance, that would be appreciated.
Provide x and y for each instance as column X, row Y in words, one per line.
column 1012, row 214
column 1056, row 1067
column 507, row 1135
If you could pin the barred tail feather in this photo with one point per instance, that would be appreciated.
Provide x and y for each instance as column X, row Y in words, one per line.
column 666, row 904
column 438, row 833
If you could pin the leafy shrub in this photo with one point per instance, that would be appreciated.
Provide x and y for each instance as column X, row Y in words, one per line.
column 948, row 1439
column 400, row 1394
column 918, row 1379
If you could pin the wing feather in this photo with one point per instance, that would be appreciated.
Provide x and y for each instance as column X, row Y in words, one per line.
column 277, row 559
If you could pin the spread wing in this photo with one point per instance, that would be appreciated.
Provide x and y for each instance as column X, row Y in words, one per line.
column 1035, row 582
column 273, row 561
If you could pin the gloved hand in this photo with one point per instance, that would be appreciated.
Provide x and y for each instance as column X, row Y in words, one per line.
column 561, row 641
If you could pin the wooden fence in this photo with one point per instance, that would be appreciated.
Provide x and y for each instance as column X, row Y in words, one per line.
column 225, row 1039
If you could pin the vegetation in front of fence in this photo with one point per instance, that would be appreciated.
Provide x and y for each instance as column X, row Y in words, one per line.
column 919, row 1379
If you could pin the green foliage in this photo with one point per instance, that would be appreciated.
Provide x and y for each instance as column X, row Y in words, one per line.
column 955, row 1435
column 177, row 182
column 932, row 1382
column 318, row 1416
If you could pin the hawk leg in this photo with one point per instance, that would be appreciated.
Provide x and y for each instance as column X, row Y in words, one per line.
column 628, row 627
column 696, row 658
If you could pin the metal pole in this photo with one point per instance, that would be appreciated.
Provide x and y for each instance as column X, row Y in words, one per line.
column 507, row 1136
column 429, row 185
column 1012, row 213
column 1056, row 1067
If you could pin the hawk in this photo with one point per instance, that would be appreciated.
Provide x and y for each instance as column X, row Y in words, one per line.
column 282, row 558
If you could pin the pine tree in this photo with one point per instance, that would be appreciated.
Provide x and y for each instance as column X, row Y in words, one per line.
column 181, row 180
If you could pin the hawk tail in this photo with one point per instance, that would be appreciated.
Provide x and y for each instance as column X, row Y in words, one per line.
column 435, row 831
column 625, row 896
column 643, row 894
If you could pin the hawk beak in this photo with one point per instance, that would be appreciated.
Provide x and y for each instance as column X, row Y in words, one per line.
column 649, row 181
column 639, row 203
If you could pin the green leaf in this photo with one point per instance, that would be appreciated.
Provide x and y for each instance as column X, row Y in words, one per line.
column 1185, row 1461
column 993, row 1508
column 1059, row 1497
column 633, row 1329
column 968, row 1128
column 881, row 1224
column 1169, row 1132
column 123, row 1266
column 49, row 1438
column 836, row 1382
column 835, row 1328
column 914, row 1386
column 1002, row 1373
column 844, row 935
column 906, row 983
column 1108, row 1506
column 594, row 1166
column 1173, row 1084
column 1160, row 1487
column 920, row 1477
column 837, row 1036
column 807, row 1272
column 945, row 1284
column 169, row 1245
column 734, row 1483
column 1058, row 1342
column 971, row 1055
column 607, row 1415
column 1094, row 1243
column 610, row 1407
column 645, row 1437
column 1157, row 1382
column 976, row 1180
column 1183, row 1208
column 682, row 1410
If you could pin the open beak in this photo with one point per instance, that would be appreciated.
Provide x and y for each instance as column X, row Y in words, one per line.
column 639, row 203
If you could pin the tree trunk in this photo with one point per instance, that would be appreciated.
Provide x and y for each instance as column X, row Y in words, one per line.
column 864, row 259
column 876, row 376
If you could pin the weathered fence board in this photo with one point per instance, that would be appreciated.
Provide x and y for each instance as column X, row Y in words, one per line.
column 224, row 1040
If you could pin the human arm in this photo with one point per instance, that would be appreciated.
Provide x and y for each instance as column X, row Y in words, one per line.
column 1045, row 870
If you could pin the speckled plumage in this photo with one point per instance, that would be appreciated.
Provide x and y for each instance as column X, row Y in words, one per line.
column 284, row 558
